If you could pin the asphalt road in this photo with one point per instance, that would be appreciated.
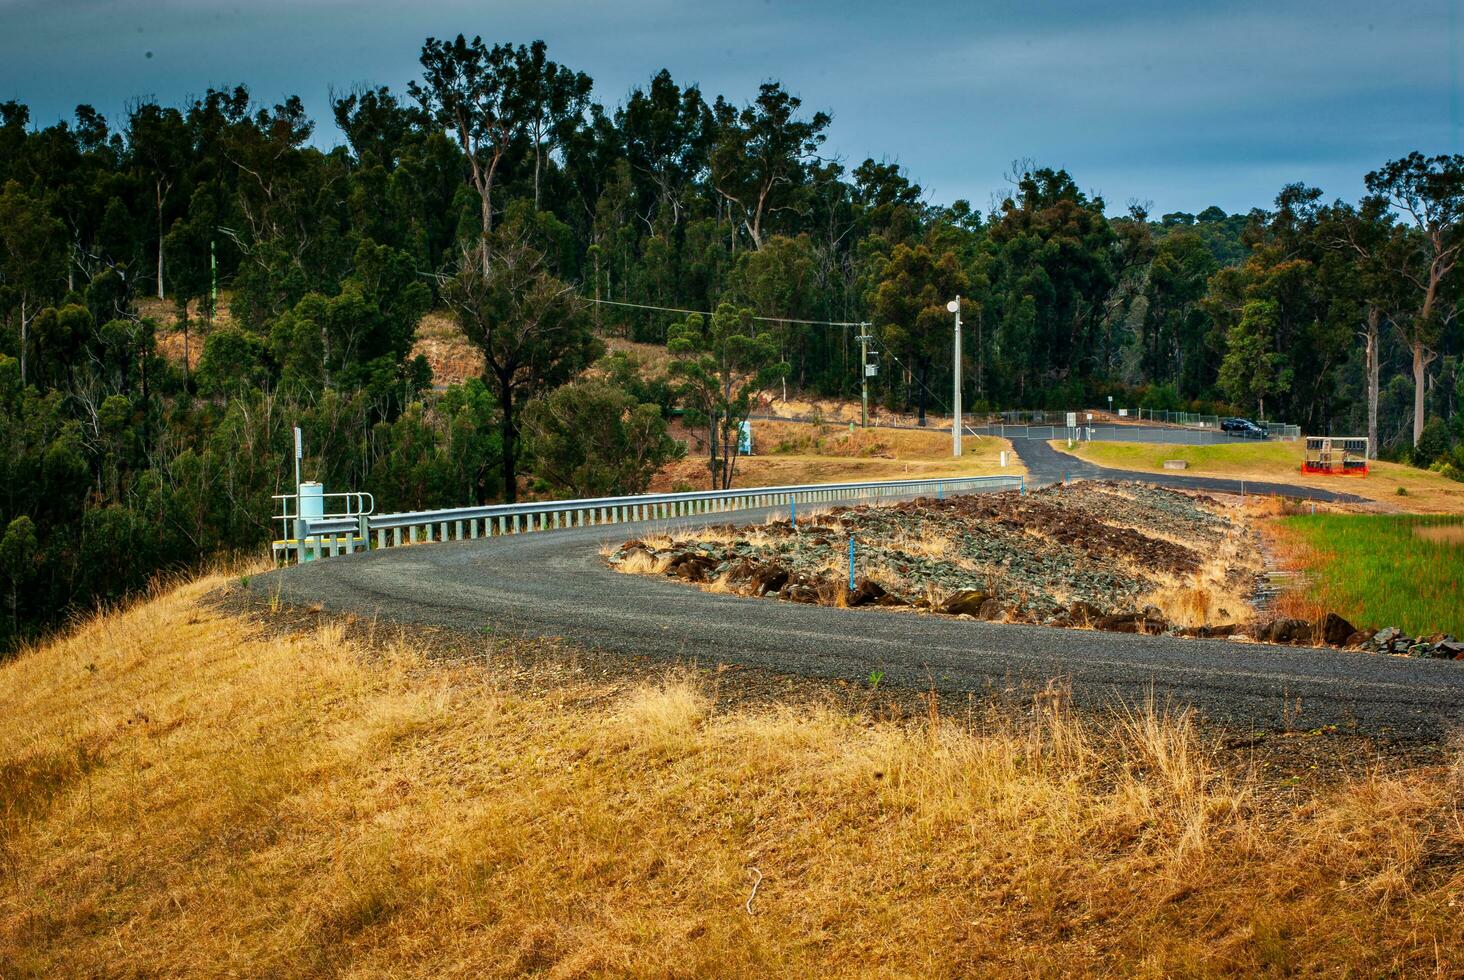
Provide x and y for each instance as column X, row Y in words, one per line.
column 556, row 584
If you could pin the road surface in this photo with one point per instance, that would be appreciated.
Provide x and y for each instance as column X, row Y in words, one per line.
column 556, row 584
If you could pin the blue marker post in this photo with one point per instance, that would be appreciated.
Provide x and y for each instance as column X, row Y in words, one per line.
column 939, row 495
column 1024, row 485
column 851, row 563
column 793, row 509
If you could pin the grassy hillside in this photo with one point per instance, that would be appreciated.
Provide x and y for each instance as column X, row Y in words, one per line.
column 1280, row 462
column 185, row 793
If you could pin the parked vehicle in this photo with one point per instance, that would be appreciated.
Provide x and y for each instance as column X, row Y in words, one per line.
column 1242, row 427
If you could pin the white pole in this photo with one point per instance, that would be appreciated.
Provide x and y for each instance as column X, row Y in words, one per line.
column 956, row 424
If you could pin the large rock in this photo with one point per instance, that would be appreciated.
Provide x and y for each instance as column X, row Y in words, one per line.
column 1295, row 631
column 991, row 609
column 768, row 578
column 1080, row 613
column 1211, row 632
column 741, row 570
column 1134, row 622
column 966, row 602
column 693, row 567
column 1449, row 650
column 1333, row 630
column 864, row 592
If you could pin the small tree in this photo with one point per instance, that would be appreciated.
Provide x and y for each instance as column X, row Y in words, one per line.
column 1252, row 370
column 532, row 328
column 17, row 563
column 590, row 439
column 908, row 302
column 32, row 252
column 721, row 366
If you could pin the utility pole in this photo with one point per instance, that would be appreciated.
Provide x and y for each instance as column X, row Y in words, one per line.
column 863, row 339
column 957, row 425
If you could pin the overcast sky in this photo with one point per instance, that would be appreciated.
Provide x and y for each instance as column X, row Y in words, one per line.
column 1179, row 104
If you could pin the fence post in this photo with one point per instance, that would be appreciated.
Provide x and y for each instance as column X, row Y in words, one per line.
column 851, row 563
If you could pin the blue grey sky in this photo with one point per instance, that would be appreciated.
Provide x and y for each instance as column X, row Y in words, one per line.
column 1177, row 104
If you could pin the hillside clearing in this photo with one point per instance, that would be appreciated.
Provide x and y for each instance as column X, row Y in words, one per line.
column 185, row 793
column 787, row 453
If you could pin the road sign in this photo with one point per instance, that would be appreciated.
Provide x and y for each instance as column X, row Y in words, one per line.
column 1072, row 420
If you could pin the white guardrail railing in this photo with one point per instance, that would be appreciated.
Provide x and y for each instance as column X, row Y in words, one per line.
column 341, row 534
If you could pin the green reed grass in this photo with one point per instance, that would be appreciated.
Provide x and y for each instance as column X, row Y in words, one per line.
column 1377, row 571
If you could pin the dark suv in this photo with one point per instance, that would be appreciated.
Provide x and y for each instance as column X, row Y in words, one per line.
column 1242, row 427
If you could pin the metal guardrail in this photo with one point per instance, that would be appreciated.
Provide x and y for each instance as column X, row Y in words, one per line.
column 465, row 523
column 336, row 533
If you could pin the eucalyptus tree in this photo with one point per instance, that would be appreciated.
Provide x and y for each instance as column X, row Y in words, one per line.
column 761, row 157
column 549, row 100
column 470, row 91
column 1052, row 279
column 908, row 305
column 667, row 132
column 591, row 439
column 158, row 148
column 532, row 328
column 32, row 255
column 721, row 365
column 1429, row 193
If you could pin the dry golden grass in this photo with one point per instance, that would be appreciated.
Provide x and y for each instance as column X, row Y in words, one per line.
column 878, row 454
column 452, row 357
column 184, row 795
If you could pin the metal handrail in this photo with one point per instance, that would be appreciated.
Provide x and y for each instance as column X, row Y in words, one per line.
column 410, row 518
column 364, row 506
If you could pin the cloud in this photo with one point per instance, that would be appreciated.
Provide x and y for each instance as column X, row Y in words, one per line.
column 1181, row 103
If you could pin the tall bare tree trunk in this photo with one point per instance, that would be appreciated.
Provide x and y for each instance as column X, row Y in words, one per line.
column 24, row 339
column 1420, row 365
column 536, row 173
column 159, row 188
column 487, row 229
column 1371, row 336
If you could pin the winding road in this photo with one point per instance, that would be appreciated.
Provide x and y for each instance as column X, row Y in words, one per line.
column 556, row 584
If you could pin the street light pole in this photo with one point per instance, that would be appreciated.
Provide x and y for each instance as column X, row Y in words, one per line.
column 957, row 425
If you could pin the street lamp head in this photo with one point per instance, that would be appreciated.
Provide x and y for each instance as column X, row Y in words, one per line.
column 953, row 306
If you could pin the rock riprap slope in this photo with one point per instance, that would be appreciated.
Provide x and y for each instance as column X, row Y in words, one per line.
column 1122, row 557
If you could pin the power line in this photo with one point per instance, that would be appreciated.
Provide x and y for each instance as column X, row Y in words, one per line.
column 765, row 319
